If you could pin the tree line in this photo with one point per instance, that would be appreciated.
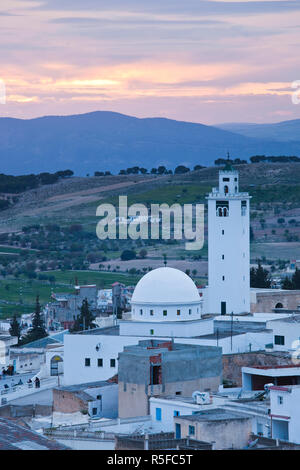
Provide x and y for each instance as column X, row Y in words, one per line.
column 259, row 159
column 17, row 184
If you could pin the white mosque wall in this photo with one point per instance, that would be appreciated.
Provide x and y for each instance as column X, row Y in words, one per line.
column 164, row 312
column 166, row 328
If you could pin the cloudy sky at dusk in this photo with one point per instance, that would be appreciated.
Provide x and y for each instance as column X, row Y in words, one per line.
column 202, row 61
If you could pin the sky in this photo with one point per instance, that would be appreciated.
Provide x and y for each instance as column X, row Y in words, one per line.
column 209, row 61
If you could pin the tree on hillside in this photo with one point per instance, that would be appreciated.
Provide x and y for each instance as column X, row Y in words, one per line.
column 143, row 253
column 84, row 320
column 37, row 331
column 128, row 255
column 181, row 169
column 260, row 277
column 15, row 329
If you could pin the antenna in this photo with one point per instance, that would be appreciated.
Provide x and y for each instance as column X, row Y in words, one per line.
column 165, row 259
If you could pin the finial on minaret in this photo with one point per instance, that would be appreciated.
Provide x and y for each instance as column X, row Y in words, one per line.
column 228, row 156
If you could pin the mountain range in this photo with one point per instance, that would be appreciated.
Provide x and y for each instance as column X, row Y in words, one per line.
column 109, row 141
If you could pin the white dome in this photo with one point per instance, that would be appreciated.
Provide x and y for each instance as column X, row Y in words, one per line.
column 165, row 286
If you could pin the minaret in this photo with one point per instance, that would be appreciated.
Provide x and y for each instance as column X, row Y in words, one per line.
column 228, row 246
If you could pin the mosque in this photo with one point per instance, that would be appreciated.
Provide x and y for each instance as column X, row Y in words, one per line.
column 166, row 303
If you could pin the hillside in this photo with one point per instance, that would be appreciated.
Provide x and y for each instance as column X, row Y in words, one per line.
column 48, row 238
column 110, row 141
column 286, row 131
column 75, row 199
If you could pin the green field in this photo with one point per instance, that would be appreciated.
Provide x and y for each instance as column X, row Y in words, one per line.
column 18, row 295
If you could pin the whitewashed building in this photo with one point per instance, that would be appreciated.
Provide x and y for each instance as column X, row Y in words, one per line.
column 228, row 247
column 285, row 413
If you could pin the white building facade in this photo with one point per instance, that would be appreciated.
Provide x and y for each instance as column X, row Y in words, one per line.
column 228, row 247
column 285, row 413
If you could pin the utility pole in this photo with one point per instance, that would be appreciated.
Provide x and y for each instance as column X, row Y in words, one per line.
column 231, row 330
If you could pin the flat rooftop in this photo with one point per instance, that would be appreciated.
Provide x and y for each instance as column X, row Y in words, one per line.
column 78, row 387
column 110, row 330
column 215, row 414
column 290, row 319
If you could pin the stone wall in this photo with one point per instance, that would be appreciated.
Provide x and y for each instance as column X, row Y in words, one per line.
column 233, row 363
column 67, row 402
column 268, row 300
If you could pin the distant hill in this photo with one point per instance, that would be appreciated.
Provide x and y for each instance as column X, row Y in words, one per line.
column 110, row 141
column 286, row 131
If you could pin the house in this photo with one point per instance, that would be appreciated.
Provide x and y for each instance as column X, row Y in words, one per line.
column 285, row 412
column 160, row 368
column 98, row 399
column 255, row 378
column 286, row 333
column 225, row 429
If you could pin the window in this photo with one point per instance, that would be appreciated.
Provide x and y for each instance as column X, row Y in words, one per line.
column 243, row 207
column 279, row 340
column 191, row 430
column 165, row 313
column 94, row 411
column 226, row 179
column 141, row 311
column 178, row 312
column 151, row 332
column 112, row 363
column 100, row 362
column 260, row 429
column 151, row 312
column 223, row 256
column 223, row 231
column 223, row 278
column 190, row 311
column 280, row 400
column 222, row 208
column 176, row 413
column 99, row 397
column 87, row 362
column 158, row 414
column 177, row 393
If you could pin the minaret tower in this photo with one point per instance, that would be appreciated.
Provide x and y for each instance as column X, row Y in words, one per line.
column 228, row 246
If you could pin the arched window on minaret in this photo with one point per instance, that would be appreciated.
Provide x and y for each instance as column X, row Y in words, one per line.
column 226, row 189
